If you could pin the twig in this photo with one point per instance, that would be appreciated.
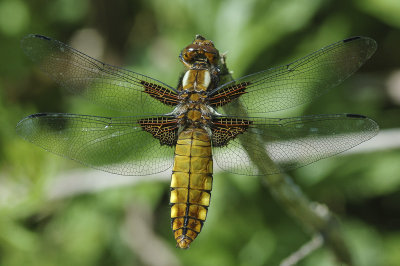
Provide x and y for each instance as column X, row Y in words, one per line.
column 304, row 250
column 314, row 217
column 140, row 237
column 80, row 181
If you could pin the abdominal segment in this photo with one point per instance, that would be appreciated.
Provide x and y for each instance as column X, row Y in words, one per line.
column 191, row 185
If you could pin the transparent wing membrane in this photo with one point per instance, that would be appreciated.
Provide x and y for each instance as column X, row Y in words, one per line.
column 293, row 142
column 143, row 144
column 114, row 87
column 113, row 144
column 299, row 82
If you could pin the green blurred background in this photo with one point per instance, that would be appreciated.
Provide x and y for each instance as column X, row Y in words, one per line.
column 55, row 212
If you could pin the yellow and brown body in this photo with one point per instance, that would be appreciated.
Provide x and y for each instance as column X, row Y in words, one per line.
column 191, row 181
column 199, row 124
column 191, row 184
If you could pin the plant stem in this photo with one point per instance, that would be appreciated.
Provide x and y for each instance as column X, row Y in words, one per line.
column 314, row 217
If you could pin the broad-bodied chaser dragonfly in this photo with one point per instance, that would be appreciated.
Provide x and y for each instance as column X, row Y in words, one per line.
column 205, row 118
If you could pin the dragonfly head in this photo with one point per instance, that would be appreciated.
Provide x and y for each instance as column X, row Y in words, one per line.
column 200, row 52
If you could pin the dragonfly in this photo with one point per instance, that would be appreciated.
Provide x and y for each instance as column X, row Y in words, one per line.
column 208, row 117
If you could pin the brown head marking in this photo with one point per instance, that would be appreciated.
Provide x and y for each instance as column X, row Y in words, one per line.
column 200, row 51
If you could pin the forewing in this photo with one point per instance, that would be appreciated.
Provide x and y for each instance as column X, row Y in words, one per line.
column 117, row 88
column 293, row 142
column 296, row 83
column 113, row 144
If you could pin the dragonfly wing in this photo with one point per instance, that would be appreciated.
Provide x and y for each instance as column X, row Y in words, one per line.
column 115, row 87
column 117, row 145
column 296, row 83
column 293, row 142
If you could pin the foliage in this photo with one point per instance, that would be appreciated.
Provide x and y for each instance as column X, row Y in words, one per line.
column 97, row 219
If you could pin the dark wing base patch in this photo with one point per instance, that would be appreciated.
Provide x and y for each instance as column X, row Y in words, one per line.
column 162, row 94
column 226, row 129
column 227, row 95
column 165, row 129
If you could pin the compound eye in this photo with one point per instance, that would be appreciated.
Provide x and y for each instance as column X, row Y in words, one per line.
column 188, row 55
column 211, row 53
column 212, row 58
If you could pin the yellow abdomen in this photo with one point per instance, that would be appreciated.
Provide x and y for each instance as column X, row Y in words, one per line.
column 191, row 184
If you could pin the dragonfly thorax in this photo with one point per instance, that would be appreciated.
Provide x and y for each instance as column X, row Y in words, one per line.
column 193, row 109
